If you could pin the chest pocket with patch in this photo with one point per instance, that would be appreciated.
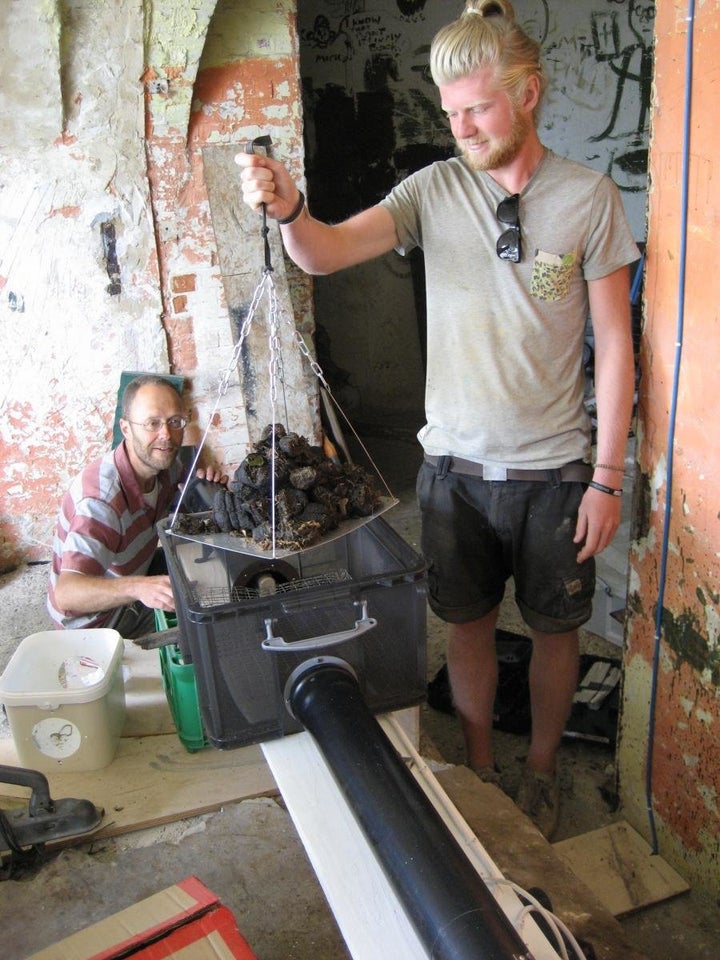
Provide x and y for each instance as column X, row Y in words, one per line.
column 551, row 276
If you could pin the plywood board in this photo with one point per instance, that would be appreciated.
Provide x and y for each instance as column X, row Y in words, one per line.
column 619, row 867
column 525, row 857
column 153, row 779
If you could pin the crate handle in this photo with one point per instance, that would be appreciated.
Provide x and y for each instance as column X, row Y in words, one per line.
column 362, row 625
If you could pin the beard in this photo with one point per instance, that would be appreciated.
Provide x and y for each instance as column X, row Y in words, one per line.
column 153, row 458
column 502, row 150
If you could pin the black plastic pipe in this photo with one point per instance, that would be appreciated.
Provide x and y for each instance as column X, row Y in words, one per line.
column 451, row 908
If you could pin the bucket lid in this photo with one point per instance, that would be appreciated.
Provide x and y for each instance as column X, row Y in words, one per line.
column 61, row 666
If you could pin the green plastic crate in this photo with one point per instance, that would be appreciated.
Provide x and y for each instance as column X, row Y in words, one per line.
column 180, row 689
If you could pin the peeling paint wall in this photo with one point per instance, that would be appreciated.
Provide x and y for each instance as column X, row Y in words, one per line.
column 72, row 167
column 241, row 81
column 109, row 259
column 684, row 727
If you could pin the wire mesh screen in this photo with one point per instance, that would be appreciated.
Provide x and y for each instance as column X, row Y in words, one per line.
column 216, row 596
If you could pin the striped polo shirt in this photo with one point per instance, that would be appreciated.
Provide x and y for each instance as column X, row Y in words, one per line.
column 105, row 528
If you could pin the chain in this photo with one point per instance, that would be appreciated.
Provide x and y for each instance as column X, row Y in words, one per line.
column 314, row 365
column 265, row 283
column 274, row 365
column 276, row 374
column 232, row 366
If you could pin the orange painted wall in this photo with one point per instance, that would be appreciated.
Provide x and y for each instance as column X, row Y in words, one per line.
column 682, row 293
column 229, row 103
column 175, row 170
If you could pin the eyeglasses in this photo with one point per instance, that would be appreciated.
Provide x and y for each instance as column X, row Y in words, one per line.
column 508, row 245
column 155, row 424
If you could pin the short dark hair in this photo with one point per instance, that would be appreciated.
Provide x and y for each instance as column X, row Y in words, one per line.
column 144, row 380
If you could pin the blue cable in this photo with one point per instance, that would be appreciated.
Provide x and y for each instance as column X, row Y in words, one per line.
column 637, row 280
column 672, row 419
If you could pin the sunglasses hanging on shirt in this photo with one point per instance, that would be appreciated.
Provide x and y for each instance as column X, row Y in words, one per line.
column 508, row 245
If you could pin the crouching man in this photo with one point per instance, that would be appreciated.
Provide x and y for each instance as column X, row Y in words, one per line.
column 104, row 566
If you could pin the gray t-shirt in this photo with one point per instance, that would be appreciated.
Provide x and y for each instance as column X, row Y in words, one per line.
column 505, row 381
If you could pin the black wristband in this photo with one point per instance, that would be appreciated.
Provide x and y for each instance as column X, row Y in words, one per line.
column 603, row 489
column 297, row 210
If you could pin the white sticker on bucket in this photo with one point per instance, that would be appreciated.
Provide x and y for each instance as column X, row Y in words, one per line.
column 78, row 672
column 56, row 738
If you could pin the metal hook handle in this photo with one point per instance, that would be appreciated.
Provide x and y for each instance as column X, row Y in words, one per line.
column 263, row 141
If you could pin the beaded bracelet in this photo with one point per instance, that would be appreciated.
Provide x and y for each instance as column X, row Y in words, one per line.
column 297, row 210
column 609, row 466
column 603, row 489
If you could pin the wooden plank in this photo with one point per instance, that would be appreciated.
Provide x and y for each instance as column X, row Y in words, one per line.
column 154, row 780
column 619, row 867
column 363, row 903
column 526, row 857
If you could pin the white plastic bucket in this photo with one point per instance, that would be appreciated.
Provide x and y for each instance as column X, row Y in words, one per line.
column 64, row 695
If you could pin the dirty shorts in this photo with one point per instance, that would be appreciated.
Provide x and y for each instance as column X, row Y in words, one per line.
column 477, row 533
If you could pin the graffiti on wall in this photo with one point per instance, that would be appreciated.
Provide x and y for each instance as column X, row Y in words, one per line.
column 373, row 113
column 371, row 108
column 605, row 71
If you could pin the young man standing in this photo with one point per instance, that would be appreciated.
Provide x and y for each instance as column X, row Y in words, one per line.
column 520, row 245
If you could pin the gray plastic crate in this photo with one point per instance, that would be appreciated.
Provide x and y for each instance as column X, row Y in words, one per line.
column 359, row 597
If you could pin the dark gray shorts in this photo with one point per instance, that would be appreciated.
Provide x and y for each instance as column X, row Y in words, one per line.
column 477, row 533
column 132, row 621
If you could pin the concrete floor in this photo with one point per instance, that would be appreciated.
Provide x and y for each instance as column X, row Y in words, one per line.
column 249, row 853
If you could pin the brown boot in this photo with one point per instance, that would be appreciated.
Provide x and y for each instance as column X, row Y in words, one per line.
column 539, row 798
column 489, row 774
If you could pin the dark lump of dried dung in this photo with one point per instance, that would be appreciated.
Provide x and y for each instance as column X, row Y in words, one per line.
column 313, row 494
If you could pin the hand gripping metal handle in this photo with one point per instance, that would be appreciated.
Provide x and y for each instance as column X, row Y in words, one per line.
column 362, row 625
column 264, row 141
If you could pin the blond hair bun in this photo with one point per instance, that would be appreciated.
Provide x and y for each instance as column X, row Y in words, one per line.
column 489, row 8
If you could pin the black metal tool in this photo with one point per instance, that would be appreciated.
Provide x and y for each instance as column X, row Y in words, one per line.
column 157, row 639
column 264, row 141
column 43, row 820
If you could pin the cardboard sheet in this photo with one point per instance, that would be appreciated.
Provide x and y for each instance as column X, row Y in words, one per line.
column 185, row 920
